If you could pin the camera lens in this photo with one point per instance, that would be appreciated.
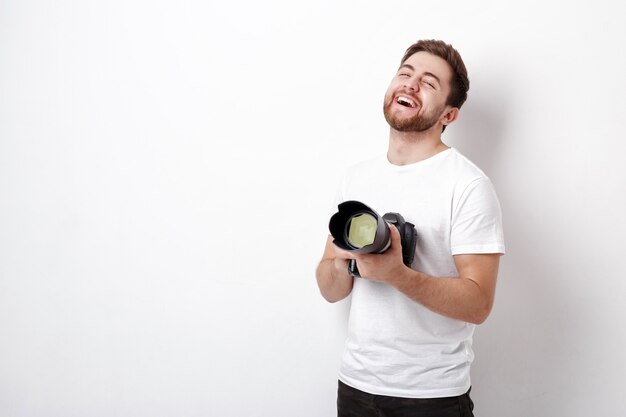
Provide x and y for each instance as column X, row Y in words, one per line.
column 361, row 230
column 357, row 228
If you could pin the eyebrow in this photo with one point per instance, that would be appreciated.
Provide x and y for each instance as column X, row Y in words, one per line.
column 429, row 74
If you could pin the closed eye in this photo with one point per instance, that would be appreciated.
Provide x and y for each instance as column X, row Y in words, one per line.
column 430, row 80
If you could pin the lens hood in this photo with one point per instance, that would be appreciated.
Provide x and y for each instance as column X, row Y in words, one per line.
column 340, row 223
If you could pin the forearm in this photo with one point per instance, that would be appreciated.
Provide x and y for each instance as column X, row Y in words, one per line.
column 333, row 279
column 456, row 297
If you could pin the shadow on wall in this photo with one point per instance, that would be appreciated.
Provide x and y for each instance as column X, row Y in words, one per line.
column 479, row 131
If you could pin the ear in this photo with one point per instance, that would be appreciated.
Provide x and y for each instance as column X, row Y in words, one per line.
column 449, row 116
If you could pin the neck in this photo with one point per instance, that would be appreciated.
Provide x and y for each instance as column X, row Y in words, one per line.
column 411, row 147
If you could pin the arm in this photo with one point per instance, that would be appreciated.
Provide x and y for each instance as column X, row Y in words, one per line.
column 333, row 279
column 468, row 297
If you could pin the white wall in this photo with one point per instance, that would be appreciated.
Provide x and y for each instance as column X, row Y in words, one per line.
column 166, row 175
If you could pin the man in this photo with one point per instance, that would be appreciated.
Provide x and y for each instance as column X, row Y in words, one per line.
column 408, row 351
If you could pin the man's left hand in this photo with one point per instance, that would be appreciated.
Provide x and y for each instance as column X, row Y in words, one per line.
column 383, row 267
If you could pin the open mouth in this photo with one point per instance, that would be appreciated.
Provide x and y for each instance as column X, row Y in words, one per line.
column 406, row 102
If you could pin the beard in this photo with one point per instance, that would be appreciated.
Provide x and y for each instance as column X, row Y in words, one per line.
column 416, row 123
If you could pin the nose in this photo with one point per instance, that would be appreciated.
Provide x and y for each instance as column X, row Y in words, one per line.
column 412, row 84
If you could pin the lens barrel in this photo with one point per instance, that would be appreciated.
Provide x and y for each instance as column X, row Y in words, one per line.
column 358, row 228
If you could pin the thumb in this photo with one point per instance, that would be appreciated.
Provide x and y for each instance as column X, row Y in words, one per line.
column 396, row 241
column 343, row 254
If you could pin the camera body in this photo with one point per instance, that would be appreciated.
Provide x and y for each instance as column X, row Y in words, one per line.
column 358, row 228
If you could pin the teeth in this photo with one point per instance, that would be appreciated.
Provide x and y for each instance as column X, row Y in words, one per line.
column 406, row 101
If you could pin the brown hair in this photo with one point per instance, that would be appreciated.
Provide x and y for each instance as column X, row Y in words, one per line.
column 459, row 82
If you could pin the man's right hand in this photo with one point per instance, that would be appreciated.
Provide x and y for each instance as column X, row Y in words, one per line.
column 333, row 279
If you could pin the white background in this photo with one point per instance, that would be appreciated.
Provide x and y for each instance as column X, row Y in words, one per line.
column 167, row 171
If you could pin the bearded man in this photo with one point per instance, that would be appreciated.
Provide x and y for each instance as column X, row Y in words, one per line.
column 409, row 345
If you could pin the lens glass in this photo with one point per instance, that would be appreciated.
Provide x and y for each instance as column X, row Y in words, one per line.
column 362, row 230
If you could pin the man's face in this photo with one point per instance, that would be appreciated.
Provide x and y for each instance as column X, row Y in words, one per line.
column 416, row 98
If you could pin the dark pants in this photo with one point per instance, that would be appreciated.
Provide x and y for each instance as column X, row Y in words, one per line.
column 354, row 403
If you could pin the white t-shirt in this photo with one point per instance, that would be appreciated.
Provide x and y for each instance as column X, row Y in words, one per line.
column 395, row 346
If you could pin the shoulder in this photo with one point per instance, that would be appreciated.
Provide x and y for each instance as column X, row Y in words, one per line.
column 463, row 167
column 468, row 178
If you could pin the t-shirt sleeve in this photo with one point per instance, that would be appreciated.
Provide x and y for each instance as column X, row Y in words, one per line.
column 477, row 220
